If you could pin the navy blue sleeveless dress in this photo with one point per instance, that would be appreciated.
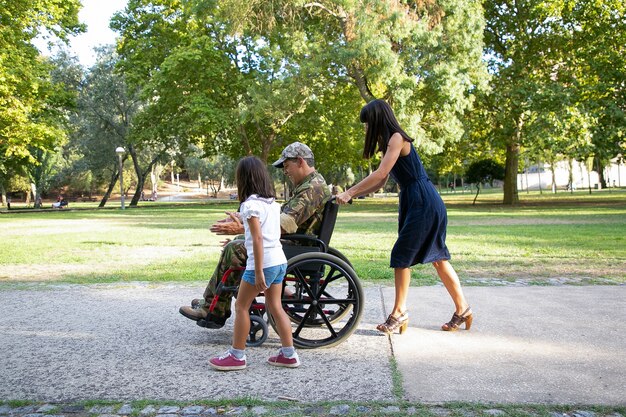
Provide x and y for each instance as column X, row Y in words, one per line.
column 422, row 216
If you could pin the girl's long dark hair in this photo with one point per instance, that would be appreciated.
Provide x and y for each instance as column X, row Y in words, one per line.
column 252, row 177
column 381, row 125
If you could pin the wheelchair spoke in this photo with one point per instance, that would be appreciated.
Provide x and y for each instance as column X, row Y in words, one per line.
column 324, row 301
column 301, row 279
column 327, row 322
column 296, row 333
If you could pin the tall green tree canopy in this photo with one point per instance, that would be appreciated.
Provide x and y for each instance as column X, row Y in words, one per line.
column 598, row 43
column 250, row 77
column 558, row 81
column 27, row 92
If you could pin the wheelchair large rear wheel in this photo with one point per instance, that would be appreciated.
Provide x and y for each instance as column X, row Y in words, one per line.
column 335, row 252
column 295, row 288
column 325, row 301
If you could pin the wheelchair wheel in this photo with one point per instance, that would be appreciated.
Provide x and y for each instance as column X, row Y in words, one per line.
column 326, row 299
column 344, row 308
column 258, row 331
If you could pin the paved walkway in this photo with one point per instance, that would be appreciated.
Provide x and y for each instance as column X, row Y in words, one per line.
column 123, row 342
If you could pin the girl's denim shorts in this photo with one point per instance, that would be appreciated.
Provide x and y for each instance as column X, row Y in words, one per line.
column 273, row 275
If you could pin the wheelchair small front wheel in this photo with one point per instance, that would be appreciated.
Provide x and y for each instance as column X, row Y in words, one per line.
column 259, row 330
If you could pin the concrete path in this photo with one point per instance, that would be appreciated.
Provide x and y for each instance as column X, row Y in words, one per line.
column 127, row 341
column 549, row 345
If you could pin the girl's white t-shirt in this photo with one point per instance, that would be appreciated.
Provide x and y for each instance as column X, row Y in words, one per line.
column 268, row 212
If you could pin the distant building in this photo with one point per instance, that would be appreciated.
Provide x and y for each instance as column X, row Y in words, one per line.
column 540, row 176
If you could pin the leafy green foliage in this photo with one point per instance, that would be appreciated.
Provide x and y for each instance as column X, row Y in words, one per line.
column 556, row 80
column 275, row 72
column 484, row 172
column 29, row 98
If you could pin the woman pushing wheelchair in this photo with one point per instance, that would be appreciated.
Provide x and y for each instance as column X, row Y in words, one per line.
column 422, row 217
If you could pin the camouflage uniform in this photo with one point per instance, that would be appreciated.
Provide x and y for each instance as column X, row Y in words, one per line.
column 305, row 208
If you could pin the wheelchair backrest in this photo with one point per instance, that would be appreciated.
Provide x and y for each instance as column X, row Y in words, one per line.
column 309, row 243
column 329, row 217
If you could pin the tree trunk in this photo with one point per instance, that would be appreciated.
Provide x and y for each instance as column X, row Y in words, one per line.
column 109, row 190
column 570, row 175
column 539, row 169
column 36, row 191
column 477, row 191
column 601, row 178
column 3, row 191
column 510, row 175
column 141, row 175
column 141, row 180
column 552, row 169
column 360, row 80
column 153, row 179
column 512, row 164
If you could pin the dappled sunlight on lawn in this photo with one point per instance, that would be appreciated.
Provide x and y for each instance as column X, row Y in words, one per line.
column 122, row 261
column 534, row 242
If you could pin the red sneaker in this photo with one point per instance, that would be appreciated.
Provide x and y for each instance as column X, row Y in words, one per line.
column 282, row 360
column 227, row 362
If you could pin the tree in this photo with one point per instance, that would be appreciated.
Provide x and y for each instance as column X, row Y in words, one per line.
column 65, row 77
column 596, row 62
column 27, row 92
column 422, row 57
column 216, row 170
column 107, row 107
column 524, row 43
column 484, row 172
column 555, row 70
column 269, row 66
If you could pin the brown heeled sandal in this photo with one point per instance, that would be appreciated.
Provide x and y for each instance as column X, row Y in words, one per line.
column 453, row 325
column 392, row 324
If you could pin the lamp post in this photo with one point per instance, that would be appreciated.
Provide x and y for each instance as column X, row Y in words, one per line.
column 120, row 153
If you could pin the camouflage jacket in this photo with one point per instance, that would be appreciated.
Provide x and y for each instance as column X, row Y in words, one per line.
column 302, row 213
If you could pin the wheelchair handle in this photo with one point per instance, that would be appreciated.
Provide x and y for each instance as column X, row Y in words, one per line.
column 333, row 198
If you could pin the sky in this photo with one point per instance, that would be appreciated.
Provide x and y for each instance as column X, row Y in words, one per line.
column 96, row 14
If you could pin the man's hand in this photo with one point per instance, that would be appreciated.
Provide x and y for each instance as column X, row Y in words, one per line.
column 231, row 225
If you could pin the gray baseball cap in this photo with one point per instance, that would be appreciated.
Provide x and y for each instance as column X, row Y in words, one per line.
column 296, row 149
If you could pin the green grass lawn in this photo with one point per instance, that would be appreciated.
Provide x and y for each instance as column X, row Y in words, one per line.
column 577, row 236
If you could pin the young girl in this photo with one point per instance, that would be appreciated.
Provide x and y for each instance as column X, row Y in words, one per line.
column 265, row 268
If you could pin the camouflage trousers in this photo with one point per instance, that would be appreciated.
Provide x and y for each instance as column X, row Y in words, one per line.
column 233, row 255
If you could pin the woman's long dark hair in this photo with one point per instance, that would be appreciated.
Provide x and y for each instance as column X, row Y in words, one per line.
column 252, row 177
column 381, row 125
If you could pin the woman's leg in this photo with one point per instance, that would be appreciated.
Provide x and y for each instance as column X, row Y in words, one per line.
column 275, row 308
column 450, row 280
column 245, row 296
column 402, row 280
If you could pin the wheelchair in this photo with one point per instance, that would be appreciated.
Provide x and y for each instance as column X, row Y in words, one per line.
column 321, row 292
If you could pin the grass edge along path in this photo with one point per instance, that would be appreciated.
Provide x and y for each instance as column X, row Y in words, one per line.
column 248, row 407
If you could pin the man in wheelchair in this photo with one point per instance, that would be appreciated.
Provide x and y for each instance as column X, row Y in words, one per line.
column 301, row 214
